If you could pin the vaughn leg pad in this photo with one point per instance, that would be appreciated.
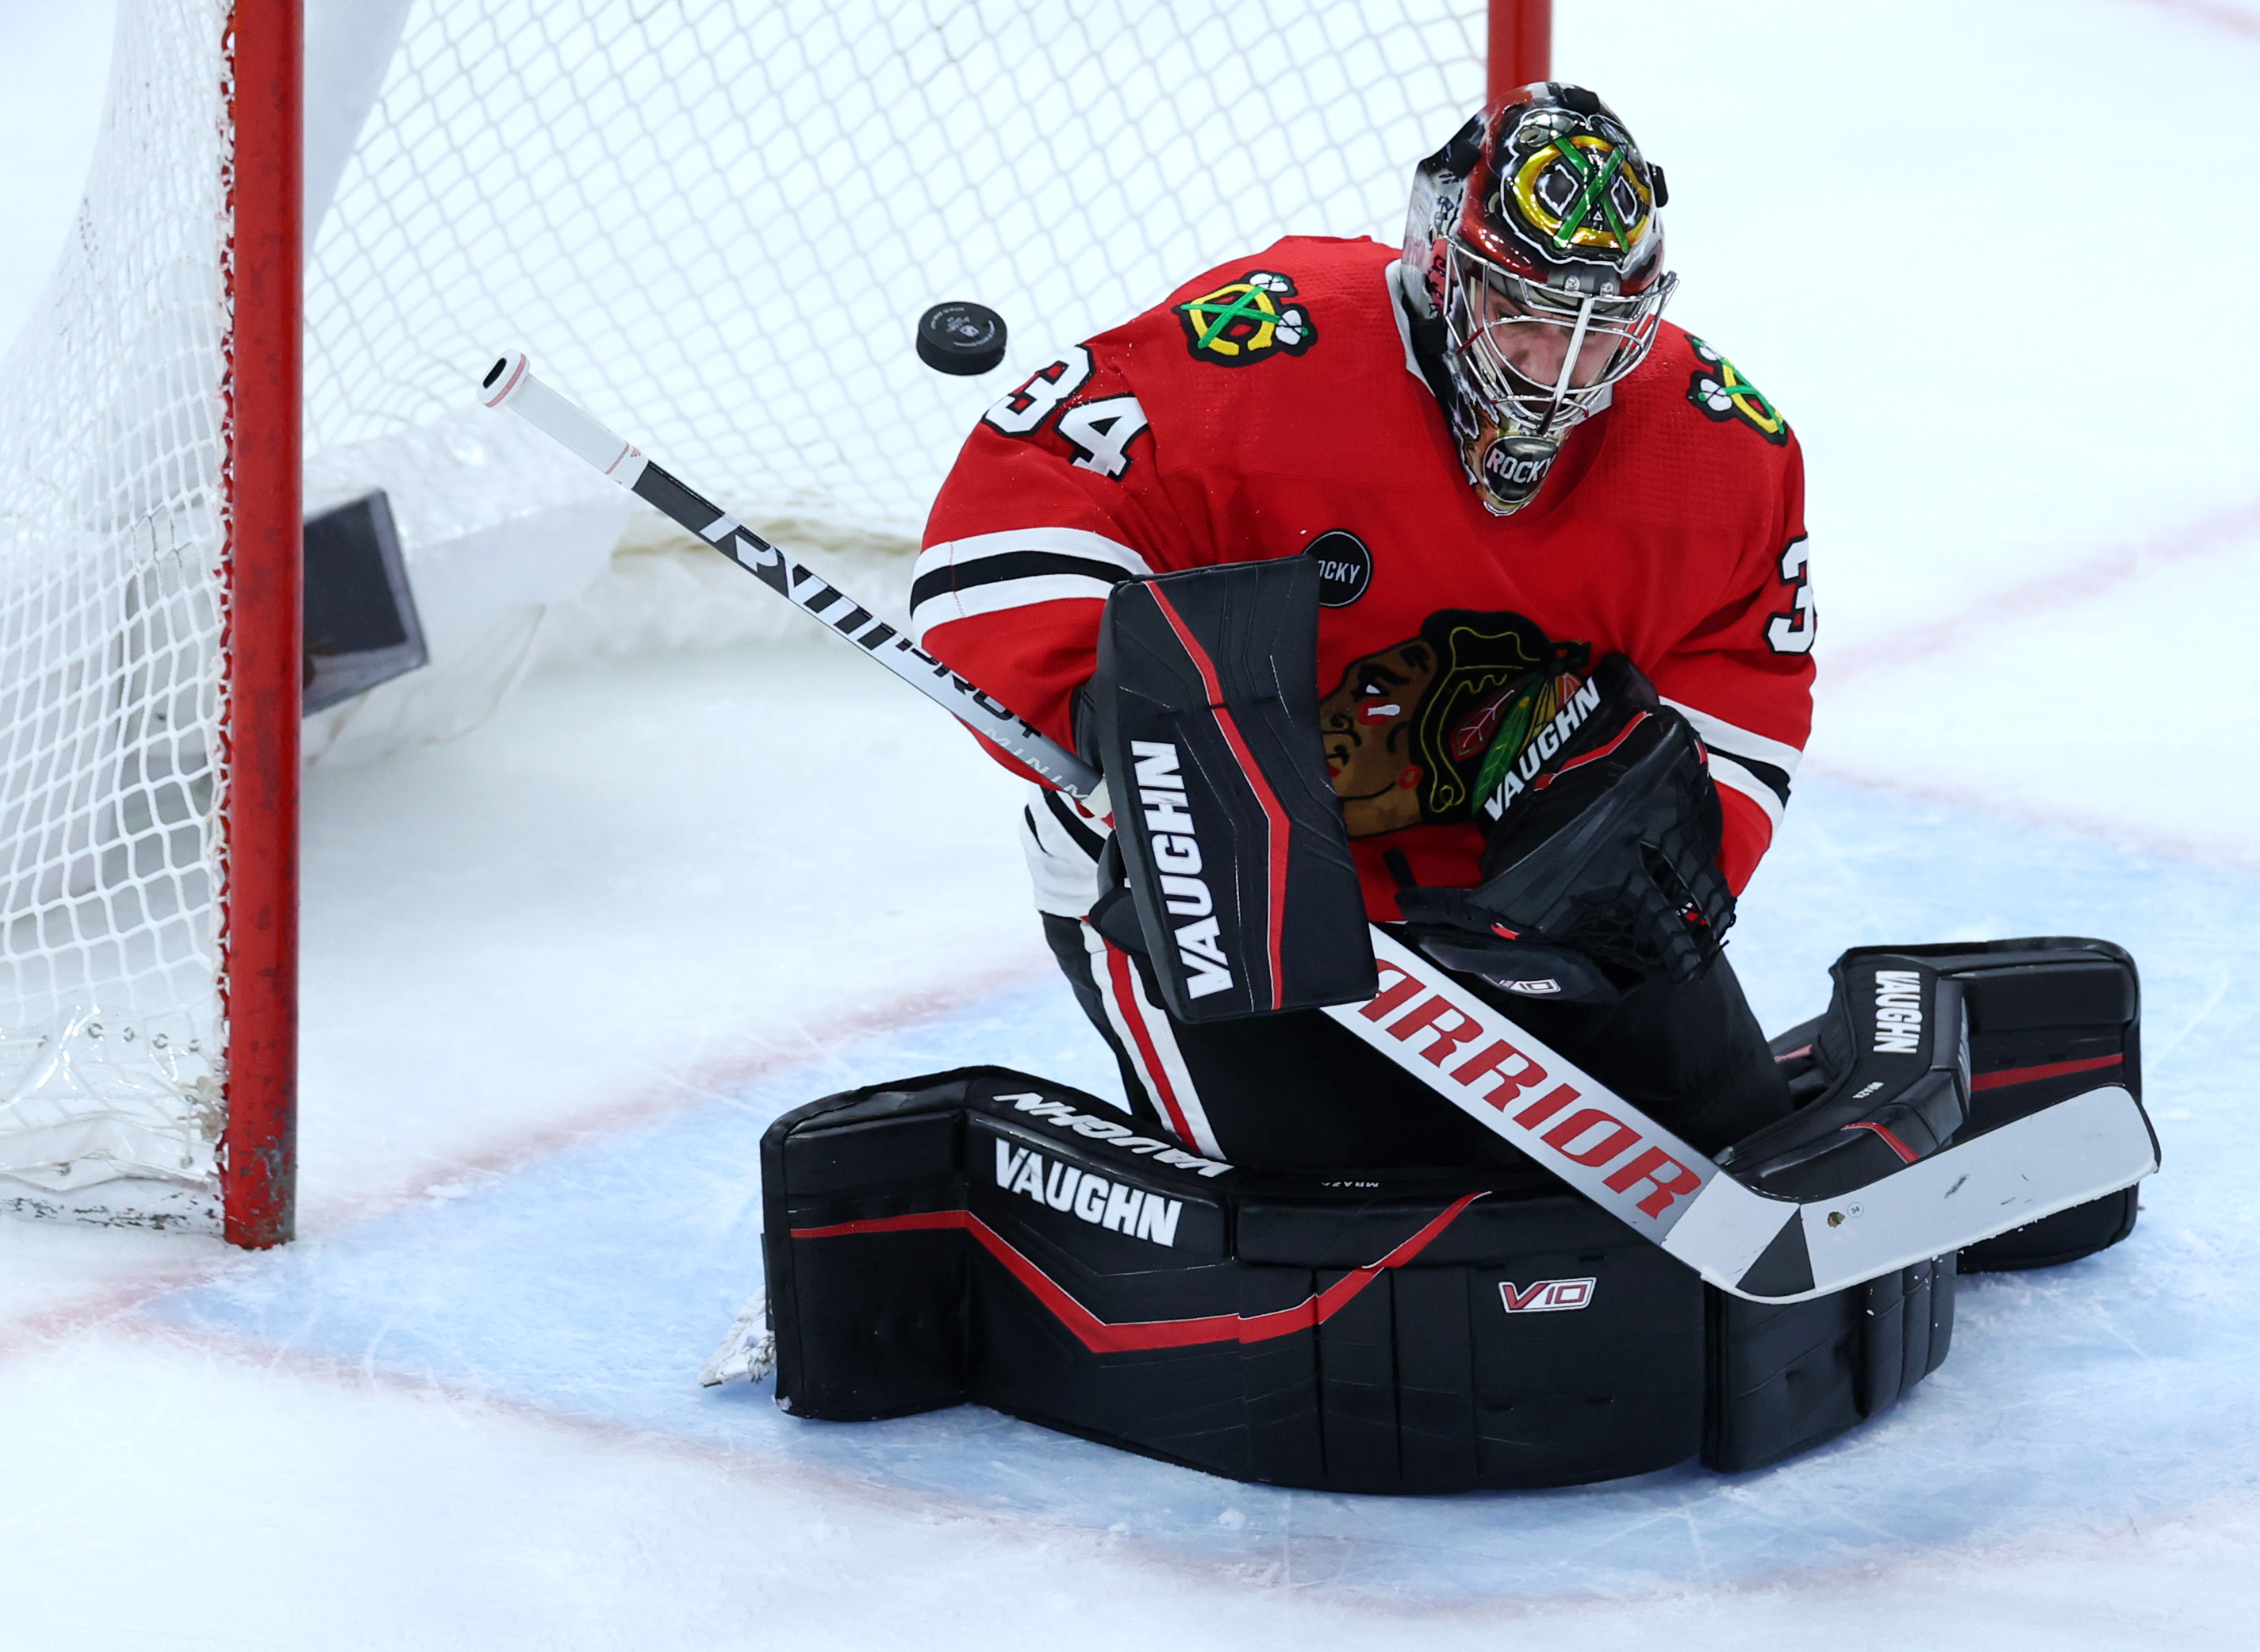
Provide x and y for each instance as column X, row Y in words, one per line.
column 1784, row 1379
column 984, row 1236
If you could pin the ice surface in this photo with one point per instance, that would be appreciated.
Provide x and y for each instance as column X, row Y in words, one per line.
column 1916, row 226
column 561, row 971
column 591, row 1283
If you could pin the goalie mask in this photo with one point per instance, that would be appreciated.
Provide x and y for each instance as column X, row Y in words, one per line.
column 1534, row 256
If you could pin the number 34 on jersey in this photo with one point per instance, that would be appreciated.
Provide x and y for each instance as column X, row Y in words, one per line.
column 1100, row 431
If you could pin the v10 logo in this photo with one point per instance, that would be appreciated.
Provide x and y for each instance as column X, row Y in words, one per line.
column 1547, row 1296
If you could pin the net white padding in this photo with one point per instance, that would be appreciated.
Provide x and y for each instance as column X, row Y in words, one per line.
column 715, row 225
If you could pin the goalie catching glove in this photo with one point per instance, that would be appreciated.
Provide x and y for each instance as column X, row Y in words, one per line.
column 1600, row 856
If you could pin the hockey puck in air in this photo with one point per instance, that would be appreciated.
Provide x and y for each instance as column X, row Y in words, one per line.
column 960, row 338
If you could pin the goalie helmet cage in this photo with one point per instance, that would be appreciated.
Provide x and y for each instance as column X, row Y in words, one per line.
column 718, row 216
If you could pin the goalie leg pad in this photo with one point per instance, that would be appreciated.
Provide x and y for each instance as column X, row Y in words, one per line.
column 1298, row 1091
column 985, row 1236
column 2051, row 1017
column 1786, row 1378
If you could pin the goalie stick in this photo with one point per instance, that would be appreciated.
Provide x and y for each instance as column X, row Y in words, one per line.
column 512, row 384
column 1752, row 1245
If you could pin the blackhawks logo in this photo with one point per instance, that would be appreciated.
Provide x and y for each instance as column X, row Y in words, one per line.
column 1245, row 321
column 1422, row 732
column 1724, row 394
column 1578, row 189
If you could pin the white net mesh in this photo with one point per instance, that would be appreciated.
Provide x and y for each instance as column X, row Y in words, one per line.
column 713, row 222
column 715, row 225
column 109, row 622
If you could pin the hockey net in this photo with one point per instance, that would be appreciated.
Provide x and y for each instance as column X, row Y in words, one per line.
column 713, row 224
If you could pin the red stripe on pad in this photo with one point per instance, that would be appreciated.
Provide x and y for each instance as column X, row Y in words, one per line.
column 1102, row 1337
column 2052, row 1070
column 1133, row 1014
column 1907, row 1155
column 1623, row 734
column 1275, row 918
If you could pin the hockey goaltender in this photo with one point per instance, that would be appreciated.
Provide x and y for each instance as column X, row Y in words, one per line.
column 1472, row 533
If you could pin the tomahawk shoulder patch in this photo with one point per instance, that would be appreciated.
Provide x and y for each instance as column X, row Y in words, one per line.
column 1248, row 320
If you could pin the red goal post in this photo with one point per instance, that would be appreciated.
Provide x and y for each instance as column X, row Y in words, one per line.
column 1518, row 46
column 711, row 218
column 257, row 913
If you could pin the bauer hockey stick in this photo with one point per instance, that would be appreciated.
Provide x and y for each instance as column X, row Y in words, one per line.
column 1753, row 1245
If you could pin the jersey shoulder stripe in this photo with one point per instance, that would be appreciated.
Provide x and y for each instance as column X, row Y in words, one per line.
column 1776, row 760
column 1760, row 788
column 987, row 573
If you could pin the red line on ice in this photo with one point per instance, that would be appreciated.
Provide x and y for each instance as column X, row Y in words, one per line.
column 2083, row 581
column 2221, row 16
column 188, row 1260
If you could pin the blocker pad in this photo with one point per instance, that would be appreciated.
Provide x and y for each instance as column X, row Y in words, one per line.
column 1233, row 847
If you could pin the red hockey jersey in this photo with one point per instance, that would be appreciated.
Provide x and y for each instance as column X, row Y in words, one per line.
column 1274, row 407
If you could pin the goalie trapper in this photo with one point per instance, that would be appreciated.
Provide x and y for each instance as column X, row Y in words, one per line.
column 1600, row 856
